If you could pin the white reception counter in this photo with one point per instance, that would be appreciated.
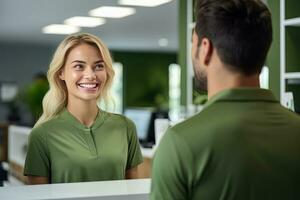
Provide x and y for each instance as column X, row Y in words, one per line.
column 137, row 189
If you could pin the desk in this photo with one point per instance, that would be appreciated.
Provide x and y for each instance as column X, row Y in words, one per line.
column 4, row 132
column 137, row 189
column 146, row 166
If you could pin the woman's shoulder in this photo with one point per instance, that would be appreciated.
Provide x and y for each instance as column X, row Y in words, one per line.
column 44, row 126
column 38, row 132
column 115, row 117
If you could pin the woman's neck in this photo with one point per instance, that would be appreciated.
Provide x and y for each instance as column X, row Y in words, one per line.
column 84, row 111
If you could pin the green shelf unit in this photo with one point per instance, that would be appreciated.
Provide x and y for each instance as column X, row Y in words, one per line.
column 292, row 51
column 292, row 9
column 293, row 85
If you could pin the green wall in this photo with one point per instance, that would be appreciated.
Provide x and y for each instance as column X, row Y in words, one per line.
column 146, row 77
column 292, row 46
column 273, row 58
column 182, row 58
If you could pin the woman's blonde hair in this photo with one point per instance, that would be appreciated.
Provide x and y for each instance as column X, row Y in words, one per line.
column 56, row 98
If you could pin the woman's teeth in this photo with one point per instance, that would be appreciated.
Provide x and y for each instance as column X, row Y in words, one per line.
column 88, row 85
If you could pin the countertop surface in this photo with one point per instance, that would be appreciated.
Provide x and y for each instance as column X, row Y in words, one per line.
column 110, row 190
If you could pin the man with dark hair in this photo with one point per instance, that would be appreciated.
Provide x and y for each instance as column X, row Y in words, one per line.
column 243, row 144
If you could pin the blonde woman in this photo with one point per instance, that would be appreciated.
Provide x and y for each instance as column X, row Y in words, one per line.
column 74, row 140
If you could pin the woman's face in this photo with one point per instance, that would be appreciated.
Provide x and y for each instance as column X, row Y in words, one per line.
column 84, row 73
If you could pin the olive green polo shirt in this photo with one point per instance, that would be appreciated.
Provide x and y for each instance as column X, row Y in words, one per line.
column 66, row 151
column 243, row 145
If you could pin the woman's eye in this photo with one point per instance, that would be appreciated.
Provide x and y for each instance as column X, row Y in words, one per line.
column 78, row 67
column 99, row 66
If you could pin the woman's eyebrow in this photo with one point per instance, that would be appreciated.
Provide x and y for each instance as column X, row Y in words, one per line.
column 79, row 61
column 99, row 61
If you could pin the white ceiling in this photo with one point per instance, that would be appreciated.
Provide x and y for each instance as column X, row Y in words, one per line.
column 22, row 21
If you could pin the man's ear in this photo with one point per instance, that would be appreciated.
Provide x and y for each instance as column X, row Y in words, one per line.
column 206, row 50
column 61, row 75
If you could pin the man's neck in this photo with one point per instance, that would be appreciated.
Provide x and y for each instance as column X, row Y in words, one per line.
column 230, row 82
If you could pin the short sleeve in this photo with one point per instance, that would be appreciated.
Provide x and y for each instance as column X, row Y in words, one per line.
column 134, row 151
column 170, row 168
column 37, row 161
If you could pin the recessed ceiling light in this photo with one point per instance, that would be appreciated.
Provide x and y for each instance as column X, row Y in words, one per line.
column 84, row 21
column 60, row 29
column 146, row 3
column 112, row 12
column 163, row 42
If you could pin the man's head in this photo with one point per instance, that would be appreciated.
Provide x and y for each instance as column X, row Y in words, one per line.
column 240, row 31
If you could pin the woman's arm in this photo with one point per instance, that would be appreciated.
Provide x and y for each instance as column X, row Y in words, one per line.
column 34, row 180
column 132, row 173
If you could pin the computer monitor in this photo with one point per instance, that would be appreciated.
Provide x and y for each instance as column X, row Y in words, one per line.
column 142, row 119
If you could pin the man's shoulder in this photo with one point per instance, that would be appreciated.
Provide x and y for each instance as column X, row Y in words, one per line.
column 291, row 114
column 197, row 127
column 200, row 122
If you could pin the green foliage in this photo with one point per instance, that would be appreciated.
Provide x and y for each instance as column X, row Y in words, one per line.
column 146, row 82
column 199, row 98
column 33, row 96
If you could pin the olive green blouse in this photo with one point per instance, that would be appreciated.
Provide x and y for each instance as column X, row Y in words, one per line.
column 66, row 151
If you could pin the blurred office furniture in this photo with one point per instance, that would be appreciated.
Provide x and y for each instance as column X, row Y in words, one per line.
column 160, row 127
column 144, row 119
column 138, row 189
column 8, row 96
column 17, row 148
column 3, row 152
column 3, row 141
column 288, row 101
column 289, row 51
column 146, row 167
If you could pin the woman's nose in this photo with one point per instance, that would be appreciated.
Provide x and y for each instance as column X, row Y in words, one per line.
column 89, row 73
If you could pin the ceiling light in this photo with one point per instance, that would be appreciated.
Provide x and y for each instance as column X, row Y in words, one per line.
column 60, row 29
column 163, row 42
column 112, row 12
column 84, row 21
column 146, row 3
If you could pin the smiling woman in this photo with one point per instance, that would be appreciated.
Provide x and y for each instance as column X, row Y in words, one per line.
column 84, row 74
column 74, row 140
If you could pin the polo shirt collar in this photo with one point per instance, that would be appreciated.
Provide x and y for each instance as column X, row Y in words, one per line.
column 242, row 94
column 101, row 116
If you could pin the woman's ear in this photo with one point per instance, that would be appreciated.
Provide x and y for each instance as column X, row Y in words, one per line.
column 61, row 75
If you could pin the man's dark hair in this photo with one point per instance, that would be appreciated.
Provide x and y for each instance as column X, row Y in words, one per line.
column 240, row 31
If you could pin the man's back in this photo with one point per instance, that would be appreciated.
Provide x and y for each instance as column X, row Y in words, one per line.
column 243, row 145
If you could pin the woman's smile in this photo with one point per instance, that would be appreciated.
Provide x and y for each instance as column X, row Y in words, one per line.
column 88, row 87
